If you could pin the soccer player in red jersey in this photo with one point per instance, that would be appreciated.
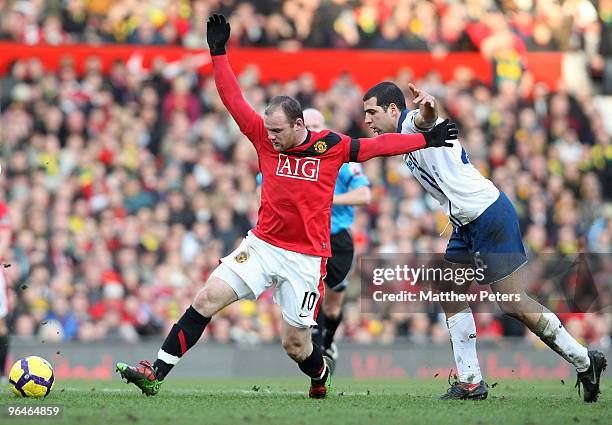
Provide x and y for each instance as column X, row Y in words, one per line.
column 289, row 246
column 5, row 243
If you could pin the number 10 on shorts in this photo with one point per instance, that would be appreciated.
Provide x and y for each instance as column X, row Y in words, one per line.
column 309, row 301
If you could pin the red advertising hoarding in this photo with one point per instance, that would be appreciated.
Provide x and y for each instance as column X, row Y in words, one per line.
column 367, row 67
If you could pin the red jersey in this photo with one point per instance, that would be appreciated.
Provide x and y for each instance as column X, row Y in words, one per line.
column 298, row 183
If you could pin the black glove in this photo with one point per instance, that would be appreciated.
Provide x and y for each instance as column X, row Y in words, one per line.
column 217, row 34
column 437, row 136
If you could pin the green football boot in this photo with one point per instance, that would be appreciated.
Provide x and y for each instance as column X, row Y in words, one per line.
column 143, row 377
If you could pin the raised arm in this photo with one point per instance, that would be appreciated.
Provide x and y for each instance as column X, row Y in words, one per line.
column 395, row 144
column 249, row 121
column 428, row 111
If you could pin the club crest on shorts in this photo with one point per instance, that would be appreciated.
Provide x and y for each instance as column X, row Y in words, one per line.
column 241, row 257
column 320, row 146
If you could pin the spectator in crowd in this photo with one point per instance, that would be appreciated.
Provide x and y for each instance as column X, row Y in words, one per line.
column 126, row 188
column 95, row 226
column 411, row 24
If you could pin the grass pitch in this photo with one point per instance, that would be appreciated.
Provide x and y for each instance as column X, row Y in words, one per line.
column 274, row 401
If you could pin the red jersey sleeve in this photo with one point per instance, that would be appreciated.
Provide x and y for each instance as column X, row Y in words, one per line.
column 360, row 150
column 249, row 121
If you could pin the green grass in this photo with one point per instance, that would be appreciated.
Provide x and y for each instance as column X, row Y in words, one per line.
column 274, row 401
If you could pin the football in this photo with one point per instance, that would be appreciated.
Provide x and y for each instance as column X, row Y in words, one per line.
column 31, row 377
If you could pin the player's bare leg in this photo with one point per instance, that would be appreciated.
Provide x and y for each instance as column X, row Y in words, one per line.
column 298, row 344
column 546, row 325
column 212, row 297
column 462, row 330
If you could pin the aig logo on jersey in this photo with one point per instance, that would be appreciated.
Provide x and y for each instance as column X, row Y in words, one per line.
column 298, row 168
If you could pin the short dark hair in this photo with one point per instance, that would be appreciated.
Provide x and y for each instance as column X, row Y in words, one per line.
column 290, row 107
column 386, row 93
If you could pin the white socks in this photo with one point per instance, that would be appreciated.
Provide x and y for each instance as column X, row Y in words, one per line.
column 462, row 331
column 463, row 339
column 553, row 333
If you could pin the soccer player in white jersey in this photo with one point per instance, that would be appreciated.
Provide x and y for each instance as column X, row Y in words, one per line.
column 485, row 229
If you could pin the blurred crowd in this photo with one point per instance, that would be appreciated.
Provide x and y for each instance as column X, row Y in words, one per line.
column 503, row 31
column 125, row 189
column 381, row 24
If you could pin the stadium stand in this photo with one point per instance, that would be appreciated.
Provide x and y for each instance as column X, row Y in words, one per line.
column 125, row 188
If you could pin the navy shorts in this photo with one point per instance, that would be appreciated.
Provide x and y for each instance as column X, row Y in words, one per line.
column 491, row 242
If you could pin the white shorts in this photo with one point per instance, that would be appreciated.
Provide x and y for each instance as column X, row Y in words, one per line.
column 256, row 265
column 3, row 295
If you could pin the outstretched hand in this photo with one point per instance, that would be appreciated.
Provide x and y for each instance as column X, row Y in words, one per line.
column 420, row 97
column 437, row 137
column 428, row 113
column 217, row 34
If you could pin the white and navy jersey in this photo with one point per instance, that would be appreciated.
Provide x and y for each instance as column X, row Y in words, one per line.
column 448, row 176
